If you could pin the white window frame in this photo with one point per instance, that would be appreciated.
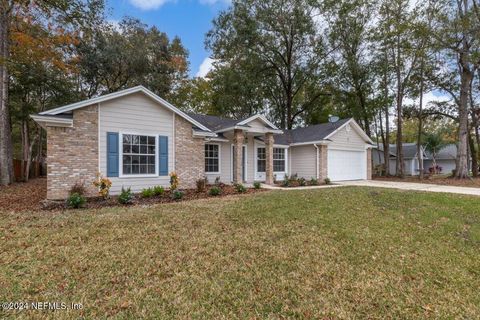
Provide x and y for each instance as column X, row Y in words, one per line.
column 142, row 175
column 261, row 145
column 219, row 159
column 284, row 160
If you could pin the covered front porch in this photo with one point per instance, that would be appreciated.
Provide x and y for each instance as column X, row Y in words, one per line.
column 245, row 153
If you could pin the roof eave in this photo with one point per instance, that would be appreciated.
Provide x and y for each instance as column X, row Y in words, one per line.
column 46, row 121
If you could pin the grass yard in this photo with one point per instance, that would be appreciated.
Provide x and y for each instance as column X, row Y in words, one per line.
column 332, row 253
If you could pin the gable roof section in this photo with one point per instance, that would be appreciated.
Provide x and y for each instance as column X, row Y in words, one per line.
column 316, row 133
column 449, row 152
column 409, row 150
column 219, row 124
column 118, row 94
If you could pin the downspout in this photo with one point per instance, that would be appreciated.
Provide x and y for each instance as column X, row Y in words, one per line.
column 316, row 159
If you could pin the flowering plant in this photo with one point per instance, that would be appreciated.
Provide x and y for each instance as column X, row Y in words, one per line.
column 173, row 181
column 103, row 184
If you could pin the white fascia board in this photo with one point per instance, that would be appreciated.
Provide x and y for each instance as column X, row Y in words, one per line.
column 321, row 142
column 357, row 128
column 245, row 128
column 261, row 117
column 203, row 134
column 122, row 93
column 45, row 121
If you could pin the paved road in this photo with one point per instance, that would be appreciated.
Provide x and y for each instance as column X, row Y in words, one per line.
column 412, row 186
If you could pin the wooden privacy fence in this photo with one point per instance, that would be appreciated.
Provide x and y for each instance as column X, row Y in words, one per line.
column 37, row 169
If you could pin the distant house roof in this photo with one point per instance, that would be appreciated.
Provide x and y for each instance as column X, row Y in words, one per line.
column 409, row 150
column 449, row 152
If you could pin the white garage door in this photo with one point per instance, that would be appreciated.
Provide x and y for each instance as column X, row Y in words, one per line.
column 347, row 165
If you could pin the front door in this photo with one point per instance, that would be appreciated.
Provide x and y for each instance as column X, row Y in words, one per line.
column 244, row 159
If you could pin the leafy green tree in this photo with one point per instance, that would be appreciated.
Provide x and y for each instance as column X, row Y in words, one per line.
column 280, row 41
column 433, row 144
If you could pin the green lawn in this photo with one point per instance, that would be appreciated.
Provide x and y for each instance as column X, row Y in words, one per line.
column 331, row 253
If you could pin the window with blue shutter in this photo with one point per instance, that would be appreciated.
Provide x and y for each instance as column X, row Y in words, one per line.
column 112, row 154
column 163, row 155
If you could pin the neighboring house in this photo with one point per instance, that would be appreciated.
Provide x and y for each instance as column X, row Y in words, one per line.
column 446, row 159
column 136, row 139
column 410, row 158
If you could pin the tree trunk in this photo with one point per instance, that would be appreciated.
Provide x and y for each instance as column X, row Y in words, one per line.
column 26, row 151
column 6, row 152
column 473, row 154
column 420, row 126
column 461, row 170
column 386, row 141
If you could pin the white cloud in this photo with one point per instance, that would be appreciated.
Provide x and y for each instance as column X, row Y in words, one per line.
column 115, row 24
column 205, row 67
column 432, row 96
column 213, row 2
column 148, row 4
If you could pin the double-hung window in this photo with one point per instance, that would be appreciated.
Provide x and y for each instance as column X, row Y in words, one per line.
column 138, row 154
column 212, row 158
column 278, row 160
column 261, row 160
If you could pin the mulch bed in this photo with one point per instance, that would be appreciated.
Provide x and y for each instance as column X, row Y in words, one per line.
column 441, row 180
column 31, row 196
column 23, row 196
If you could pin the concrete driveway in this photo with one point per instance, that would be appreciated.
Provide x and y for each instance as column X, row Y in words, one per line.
column 412, row 186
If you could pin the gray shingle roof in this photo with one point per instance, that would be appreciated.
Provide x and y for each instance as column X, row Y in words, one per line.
column 308, row 134
column 409, row 150
column 214, row 123
column 449, row 152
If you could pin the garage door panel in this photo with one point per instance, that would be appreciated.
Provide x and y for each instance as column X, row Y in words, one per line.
column 347, row 165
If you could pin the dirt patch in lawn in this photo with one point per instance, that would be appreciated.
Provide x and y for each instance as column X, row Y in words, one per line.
column 23, row 196
column 440, row 180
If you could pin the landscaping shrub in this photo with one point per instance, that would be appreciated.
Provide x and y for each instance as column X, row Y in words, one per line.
column 286, row 181
column 103, row 184
column 177, row 194
column 240, row 188
column 174, row 181
column 313, row 182
column 126, row 196
column 201, row 184
column 76, row 201
column 302, row 182
column 257, row 185
column 215, row 191
column 158, row 190
column 327, row 180
column 147, row 193
column 79, row 188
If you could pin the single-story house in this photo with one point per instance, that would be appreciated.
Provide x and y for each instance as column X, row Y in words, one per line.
column 410, row 158
column 137, row 139
column 446, row 159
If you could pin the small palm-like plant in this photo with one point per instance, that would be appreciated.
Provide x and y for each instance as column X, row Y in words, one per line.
column 433, row 144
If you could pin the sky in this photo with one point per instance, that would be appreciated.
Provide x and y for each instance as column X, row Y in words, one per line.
column 188, row 19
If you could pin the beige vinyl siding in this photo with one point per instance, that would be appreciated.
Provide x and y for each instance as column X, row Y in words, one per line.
column 347, row 140
column 225, row 156
column 303, row 161
column 136, row 114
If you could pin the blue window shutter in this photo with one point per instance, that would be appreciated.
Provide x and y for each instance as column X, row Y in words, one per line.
column 163, row 155
column 112, row 154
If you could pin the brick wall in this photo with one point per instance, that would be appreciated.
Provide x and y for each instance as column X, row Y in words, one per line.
column 72, row 154
column 189, row 154
column 322, row 163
